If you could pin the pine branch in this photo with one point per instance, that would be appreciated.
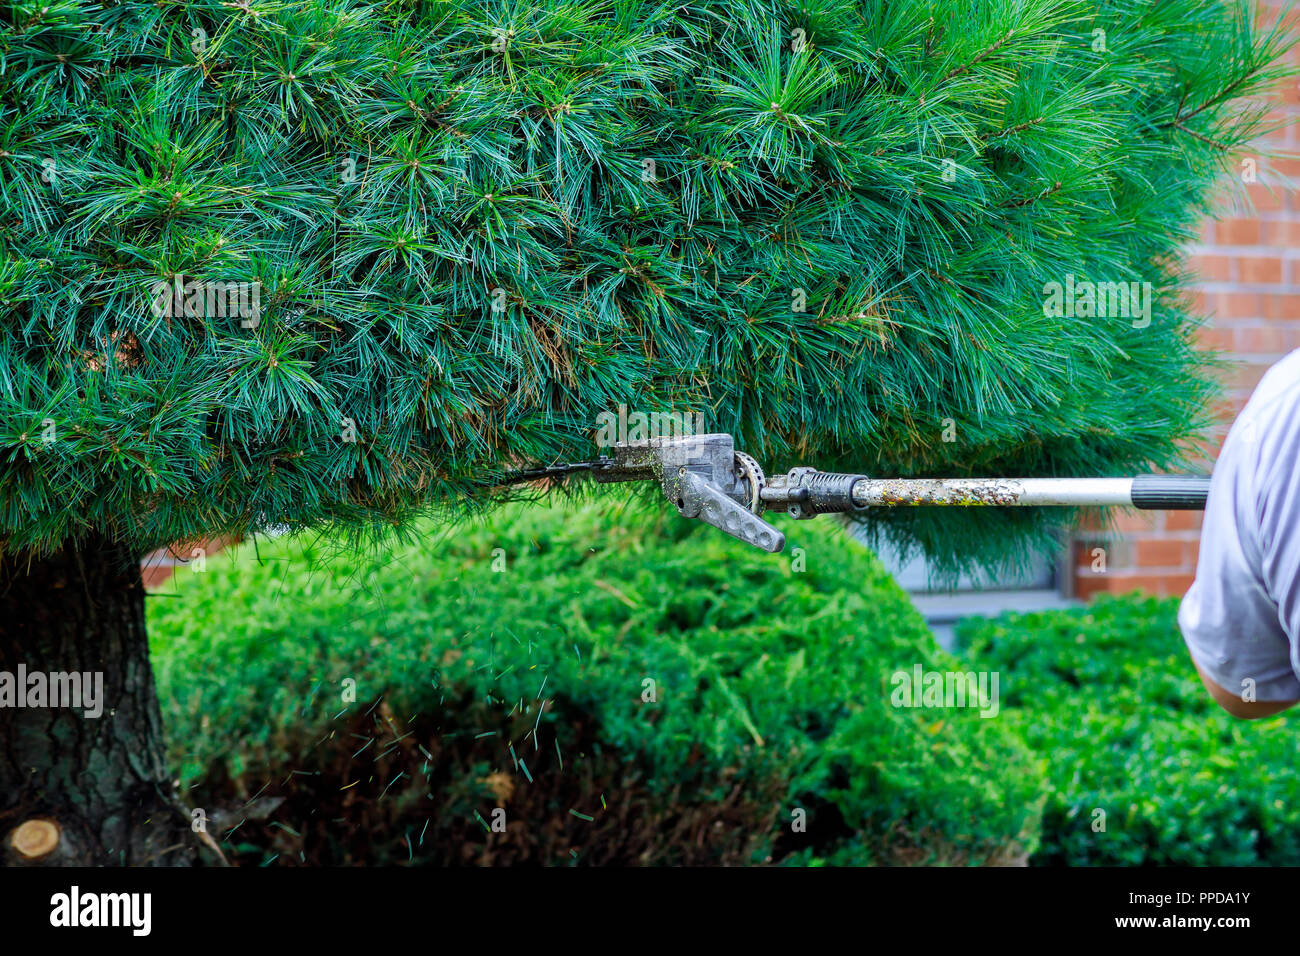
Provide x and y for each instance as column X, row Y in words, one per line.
column 467, row 252
column 989, row 51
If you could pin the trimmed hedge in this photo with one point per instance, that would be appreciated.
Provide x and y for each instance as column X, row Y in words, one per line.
column 770, row 696
column 1109, row 696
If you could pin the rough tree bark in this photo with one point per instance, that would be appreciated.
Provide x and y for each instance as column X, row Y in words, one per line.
column 77, row 789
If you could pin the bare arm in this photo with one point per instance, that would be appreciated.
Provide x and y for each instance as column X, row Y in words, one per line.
column 1244, row 709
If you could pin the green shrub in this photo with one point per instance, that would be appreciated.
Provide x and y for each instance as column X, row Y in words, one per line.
column 770, row 696
column 1108, row 694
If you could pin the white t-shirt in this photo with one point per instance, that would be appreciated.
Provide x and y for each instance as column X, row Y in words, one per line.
column 1241, row 618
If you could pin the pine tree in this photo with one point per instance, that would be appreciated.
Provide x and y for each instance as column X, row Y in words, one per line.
column 319, row 263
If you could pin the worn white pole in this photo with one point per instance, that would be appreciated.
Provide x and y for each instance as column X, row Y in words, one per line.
column 1151, row 492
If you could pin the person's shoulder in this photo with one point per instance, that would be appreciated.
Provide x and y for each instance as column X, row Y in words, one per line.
column 1278, row 392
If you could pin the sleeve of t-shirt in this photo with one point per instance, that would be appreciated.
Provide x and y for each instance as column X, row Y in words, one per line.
column 1279, row 524
column 1241, row 617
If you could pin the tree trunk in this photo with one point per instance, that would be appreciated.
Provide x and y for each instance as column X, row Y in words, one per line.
column 76, row 787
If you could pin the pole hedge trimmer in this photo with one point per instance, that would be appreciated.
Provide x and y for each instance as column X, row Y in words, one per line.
column 706, row 478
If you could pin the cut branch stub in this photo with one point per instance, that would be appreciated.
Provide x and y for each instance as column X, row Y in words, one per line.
column 35, row 839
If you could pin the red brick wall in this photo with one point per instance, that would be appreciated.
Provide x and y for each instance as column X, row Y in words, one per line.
column 1248, row 268
column 158, row 567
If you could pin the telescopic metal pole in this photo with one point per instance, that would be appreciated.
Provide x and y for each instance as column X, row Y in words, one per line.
column 1148, row 492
